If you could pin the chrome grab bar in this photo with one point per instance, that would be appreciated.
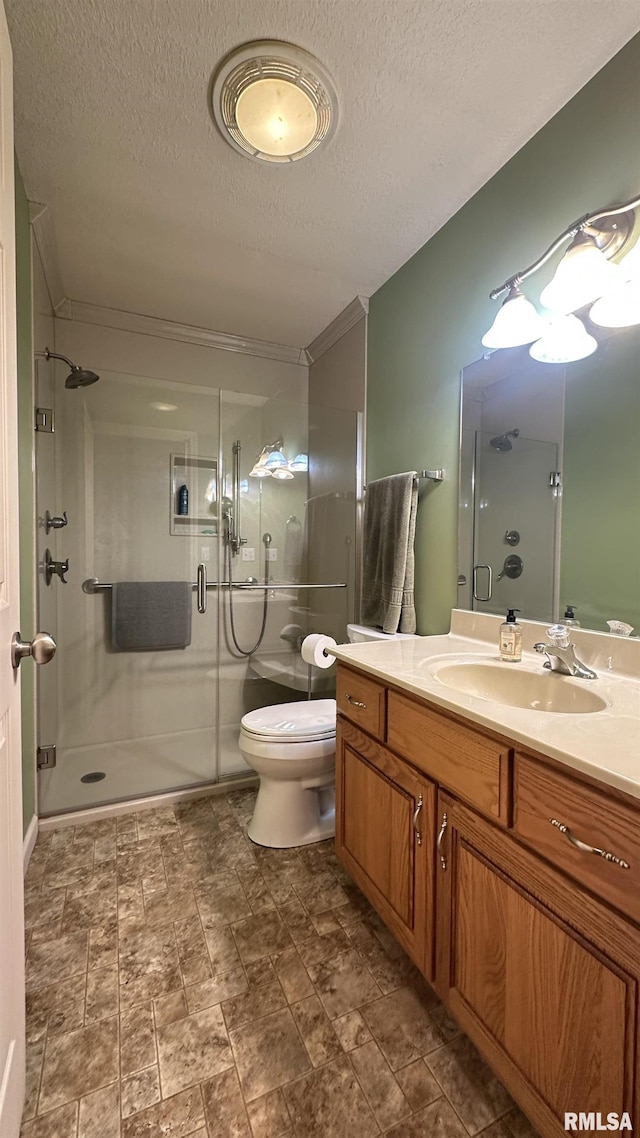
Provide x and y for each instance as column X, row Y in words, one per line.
column 201, row 587
column 93, row 585
column 489, row 583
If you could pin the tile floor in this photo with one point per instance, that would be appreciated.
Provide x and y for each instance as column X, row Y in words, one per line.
column 184, row 982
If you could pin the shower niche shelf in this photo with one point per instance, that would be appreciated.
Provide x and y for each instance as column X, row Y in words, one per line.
column 200, row 476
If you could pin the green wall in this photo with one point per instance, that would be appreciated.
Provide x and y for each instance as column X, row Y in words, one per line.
column 426, row 322
column 26, row 489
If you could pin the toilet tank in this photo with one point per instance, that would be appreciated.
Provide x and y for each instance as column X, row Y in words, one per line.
column 360, row 634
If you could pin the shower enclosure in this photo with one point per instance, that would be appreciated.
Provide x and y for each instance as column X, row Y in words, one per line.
column 144, row 480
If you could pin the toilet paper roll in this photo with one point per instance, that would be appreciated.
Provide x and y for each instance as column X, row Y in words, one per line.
column 314, row 647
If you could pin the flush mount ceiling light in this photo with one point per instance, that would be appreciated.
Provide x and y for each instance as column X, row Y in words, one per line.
column 273, row 102
column 584, row 274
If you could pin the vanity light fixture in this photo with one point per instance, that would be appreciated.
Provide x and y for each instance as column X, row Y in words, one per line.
column 621, row 308
column 300, row 463
column 273, row 101
column 565, row 339
column 584, row 274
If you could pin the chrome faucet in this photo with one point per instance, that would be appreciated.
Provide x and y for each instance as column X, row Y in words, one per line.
column 561, row 655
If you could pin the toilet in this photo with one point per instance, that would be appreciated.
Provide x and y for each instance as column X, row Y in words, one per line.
column 292, row 747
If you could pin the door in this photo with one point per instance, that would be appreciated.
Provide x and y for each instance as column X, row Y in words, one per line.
column 11, row 913
column 540, row 975
column 385, row 837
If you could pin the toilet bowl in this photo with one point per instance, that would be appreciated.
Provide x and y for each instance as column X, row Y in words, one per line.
column 292, row 746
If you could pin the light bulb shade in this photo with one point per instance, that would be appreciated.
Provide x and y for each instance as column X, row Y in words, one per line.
column 273, row 101
column 566, row 339
column 300, row 462
column 583, row 275
column 618, row 309
column 274, row 460
column 259, row 471
column 282, row 473
column 517, row 322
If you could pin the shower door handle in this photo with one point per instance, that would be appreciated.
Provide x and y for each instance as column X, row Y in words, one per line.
column 489, row 582
column 201, row 587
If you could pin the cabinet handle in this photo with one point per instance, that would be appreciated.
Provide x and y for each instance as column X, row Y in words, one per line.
column 443, row 827
column 586, row 848
column 355, row 702
column 416, row 814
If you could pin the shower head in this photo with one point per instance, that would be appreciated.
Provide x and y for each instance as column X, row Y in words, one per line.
column 78, row 376
column 501, row 442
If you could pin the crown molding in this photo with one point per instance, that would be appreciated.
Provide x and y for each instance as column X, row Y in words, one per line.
column 334, row 331
column 42, row 225
column 170, row 330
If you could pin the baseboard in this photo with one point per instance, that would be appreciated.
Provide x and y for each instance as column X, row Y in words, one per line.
column 29, row 842
column 132, row 805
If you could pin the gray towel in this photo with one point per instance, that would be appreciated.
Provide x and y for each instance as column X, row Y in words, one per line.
column 150, row 615
column 388, row 557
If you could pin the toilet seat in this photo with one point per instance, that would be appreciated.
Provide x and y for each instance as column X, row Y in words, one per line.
column 303, row 722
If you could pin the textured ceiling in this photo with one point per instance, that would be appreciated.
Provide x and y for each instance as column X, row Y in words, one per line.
column 153, row 213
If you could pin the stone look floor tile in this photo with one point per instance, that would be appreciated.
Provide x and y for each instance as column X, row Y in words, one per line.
column 269, row 1117
column 402, row 1027
column 293, row 975
column 343, row 983
column 61, row 1123
column 224, row 1107
column 100, row 1114
column 140, row 1090
column 79, row 1062
column 261, row 936
column 178, row 1117
column 317, row 1032
column 351, row 1030
column 439, row 1120
column 329, row 1101
column 257, row 991
column 418, row 1084
column 192, row 1050
column 477, row 1095
column 137, row 1039
column 384, row 1096
column 268, row 1054
column 253, row 1005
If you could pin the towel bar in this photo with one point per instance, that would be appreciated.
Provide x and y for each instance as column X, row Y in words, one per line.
column 93, row 585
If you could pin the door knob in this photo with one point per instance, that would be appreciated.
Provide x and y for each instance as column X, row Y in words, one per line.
column 42, row 648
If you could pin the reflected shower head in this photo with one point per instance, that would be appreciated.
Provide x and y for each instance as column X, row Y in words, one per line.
column 78, row 376
column 501, row 442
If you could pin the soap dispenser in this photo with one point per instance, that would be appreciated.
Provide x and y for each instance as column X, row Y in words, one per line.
column 510, row 641
column 570, row 619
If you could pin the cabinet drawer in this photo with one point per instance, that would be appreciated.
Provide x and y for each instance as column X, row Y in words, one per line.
column 362, row 700
column 592, row 817
column 474, row 767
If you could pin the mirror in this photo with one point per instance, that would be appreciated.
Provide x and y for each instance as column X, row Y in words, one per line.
column 549, row 507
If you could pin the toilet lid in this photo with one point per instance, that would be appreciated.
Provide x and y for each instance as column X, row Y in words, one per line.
column 314, row 719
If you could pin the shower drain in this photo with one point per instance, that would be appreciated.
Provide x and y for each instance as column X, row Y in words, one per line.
column 93, row 776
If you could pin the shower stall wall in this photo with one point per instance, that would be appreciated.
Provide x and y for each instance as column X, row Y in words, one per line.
column 143, row 469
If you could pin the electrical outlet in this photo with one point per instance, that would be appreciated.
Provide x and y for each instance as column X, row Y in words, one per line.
column 205, row 553
column 272, row 554
column 248, row 553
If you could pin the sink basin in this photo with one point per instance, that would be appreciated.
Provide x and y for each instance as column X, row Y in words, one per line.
column 507, row 684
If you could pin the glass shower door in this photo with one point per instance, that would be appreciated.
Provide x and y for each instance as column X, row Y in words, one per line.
column 126, row 723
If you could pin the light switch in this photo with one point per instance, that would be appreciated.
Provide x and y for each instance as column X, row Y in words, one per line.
column 205, row 553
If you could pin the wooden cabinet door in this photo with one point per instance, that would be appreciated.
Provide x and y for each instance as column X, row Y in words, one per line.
column 385, row 813
column 543, row 977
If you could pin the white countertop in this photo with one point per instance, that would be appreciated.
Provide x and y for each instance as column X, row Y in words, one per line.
column 604, row 744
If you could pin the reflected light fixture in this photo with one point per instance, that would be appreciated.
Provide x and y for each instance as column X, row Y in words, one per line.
column 273, row 101
column 584, row 274
column 299, row 463
column 565, row 339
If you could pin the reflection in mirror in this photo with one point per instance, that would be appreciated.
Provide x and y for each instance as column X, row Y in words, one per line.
column 550, row 485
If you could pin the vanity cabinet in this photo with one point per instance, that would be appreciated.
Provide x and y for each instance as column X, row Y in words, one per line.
column 527, row 937
column 539, row 974
column 385, row 817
